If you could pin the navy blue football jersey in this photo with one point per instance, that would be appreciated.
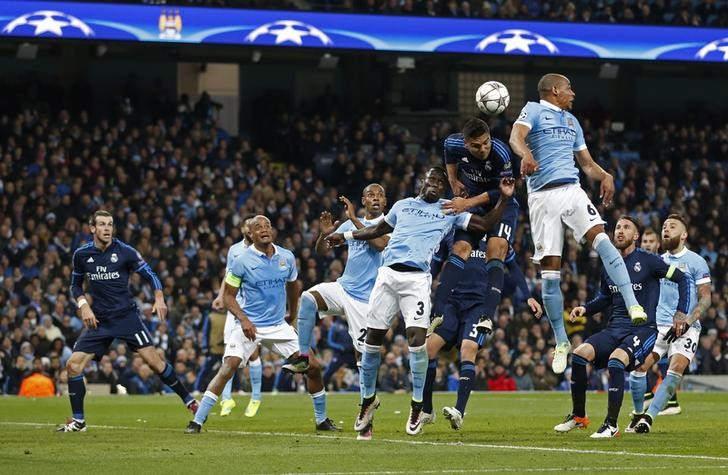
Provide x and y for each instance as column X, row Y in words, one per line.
column 480, row 176
column 107, row 273
column 645, row 271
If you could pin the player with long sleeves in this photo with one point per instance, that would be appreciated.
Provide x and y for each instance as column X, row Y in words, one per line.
column 460, row 328
column 476, row 163
column 106, row 264
column 547, row 137
column 621, row 345
column 403, row 283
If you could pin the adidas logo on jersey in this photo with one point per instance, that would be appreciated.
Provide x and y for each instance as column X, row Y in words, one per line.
column 90, row 259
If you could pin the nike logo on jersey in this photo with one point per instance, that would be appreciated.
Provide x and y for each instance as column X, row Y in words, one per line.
column 465, row 159
column 90, row 259
column 548, row 118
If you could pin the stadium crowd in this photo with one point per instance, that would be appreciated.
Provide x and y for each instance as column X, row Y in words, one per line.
column 646, row 12
column 179, row 187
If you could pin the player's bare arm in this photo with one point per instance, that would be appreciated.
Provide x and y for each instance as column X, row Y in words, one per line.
column 217, row 302
column 458, row 189
column 483, row 223
column 232, row 304
column 293, row 297
column 518, row 144
column 595, row 172
column 704, row 299
column 378, row 243
column 535, row 307
column 370, row 232
column 577, row 312
column 458, row 204
column 327, row 226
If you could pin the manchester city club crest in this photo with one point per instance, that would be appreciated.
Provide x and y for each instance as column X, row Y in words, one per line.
column 170, row 25
column 282, row 264
column 114, row 257
column 637, row 267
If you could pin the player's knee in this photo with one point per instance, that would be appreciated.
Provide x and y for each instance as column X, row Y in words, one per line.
column 75, row 366
column 550, row 263
column 462, row 249
column 497, row 248
column 596, row 236
column 679, row 365
column 313, row 299
column 229, row 366
column 416, row 336
column 314, row 372
column 585, row 351
column 375, row 336
column 468, row 350
column 620, row 355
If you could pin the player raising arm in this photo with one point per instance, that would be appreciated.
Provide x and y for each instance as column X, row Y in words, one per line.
column 546, row 137
column 403, row 282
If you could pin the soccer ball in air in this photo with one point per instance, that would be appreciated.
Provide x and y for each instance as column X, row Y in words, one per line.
column 492, row 97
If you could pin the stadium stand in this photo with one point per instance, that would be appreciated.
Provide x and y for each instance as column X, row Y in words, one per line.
column 179, row 186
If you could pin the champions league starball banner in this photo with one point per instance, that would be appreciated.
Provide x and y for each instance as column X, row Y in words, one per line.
column 89, row 21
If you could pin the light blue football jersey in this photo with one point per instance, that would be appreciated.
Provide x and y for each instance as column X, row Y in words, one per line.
column 419, row 227
column 362, row 264
column 234, row 251
column 554, row 137
column 263, row 281
column 696, row 271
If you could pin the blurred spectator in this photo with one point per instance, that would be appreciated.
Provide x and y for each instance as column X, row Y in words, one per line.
column 37, row 383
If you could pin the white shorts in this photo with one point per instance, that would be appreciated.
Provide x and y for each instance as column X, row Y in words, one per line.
column 229, row 325
column 686, row 345
column 338, row 302
column 281, row 339
column 550, row 209
column 394, row 292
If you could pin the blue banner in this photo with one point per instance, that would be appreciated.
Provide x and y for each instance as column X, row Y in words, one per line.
column 90, row 21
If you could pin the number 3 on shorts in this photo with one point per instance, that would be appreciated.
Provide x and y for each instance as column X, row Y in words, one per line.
column 635, row 341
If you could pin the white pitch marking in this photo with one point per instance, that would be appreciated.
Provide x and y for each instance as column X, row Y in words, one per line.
column 407, row 442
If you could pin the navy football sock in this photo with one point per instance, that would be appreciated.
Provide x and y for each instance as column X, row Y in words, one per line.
column 449, row 279
column 465, row 386
column 494, row 288
column 578, row 385
column 168, row 377
column 429, row 383
column 616, row 390
column 76, row 393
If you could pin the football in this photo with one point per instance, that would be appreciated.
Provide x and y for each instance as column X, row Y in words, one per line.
column 492, row 97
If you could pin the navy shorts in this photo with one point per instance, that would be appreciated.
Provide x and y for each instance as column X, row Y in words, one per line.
column 460, row 318
column 128, row 328
column 637, row 342
column 505, row 228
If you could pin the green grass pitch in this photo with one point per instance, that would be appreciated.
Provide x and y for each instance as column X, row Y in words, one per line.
column 509, row 433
